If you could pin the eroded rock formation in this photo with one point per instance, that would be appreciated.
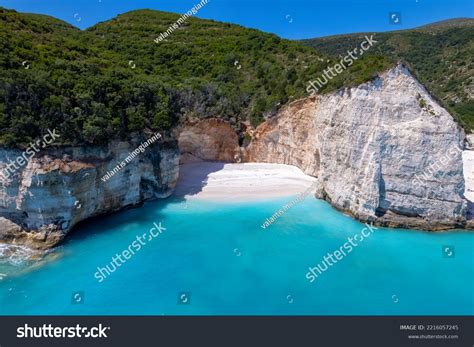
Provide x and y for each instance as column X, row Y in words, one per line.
column 383, row 151
column 208, row 139
column 58, row 188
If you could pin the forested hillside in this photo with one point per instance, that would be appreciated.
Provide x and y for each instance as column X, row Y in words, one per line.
column 113, row 79
column 440, row 54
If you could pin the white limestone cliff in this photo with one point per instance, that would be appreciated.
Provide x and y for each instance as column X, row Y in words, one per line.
column 58, row 188
column 384, row 151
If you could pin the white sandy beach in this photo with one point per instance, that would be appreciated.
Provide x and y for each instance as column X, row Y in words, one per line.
column 240, row 182
column 468, row 170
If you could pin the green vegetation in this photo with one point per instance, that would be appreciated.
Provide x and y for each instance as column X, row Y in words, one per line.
column 113, row 79
column 421, row 101
column 441, row 55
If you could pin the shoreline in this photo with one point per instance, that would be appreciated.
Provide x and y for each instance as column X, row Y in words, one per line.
column 242, row 182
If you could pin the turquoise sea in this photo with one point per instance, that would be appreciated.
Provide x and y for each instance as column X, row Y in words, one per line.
column 215, row 259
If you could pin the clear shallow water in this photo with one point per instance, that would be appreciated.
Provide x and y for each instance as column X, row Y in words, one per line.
column 227, row 264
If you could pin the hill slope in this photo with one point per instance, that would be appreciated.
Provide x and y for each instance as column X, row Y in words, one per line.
column 113, row 79
column 440, row 54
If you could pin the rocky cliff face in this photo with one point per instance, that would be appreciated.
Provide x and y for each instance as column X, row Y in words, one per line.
column 384, row 151
column 58, row 188
column 208, row 139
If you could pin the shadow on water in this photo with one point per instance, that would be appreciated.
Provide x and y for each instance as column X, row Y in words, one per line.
column 192, row 179
column 111, row 221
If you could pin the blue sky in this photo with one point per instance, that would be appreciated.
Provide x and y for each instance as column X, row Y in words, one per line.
column 293, row 19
